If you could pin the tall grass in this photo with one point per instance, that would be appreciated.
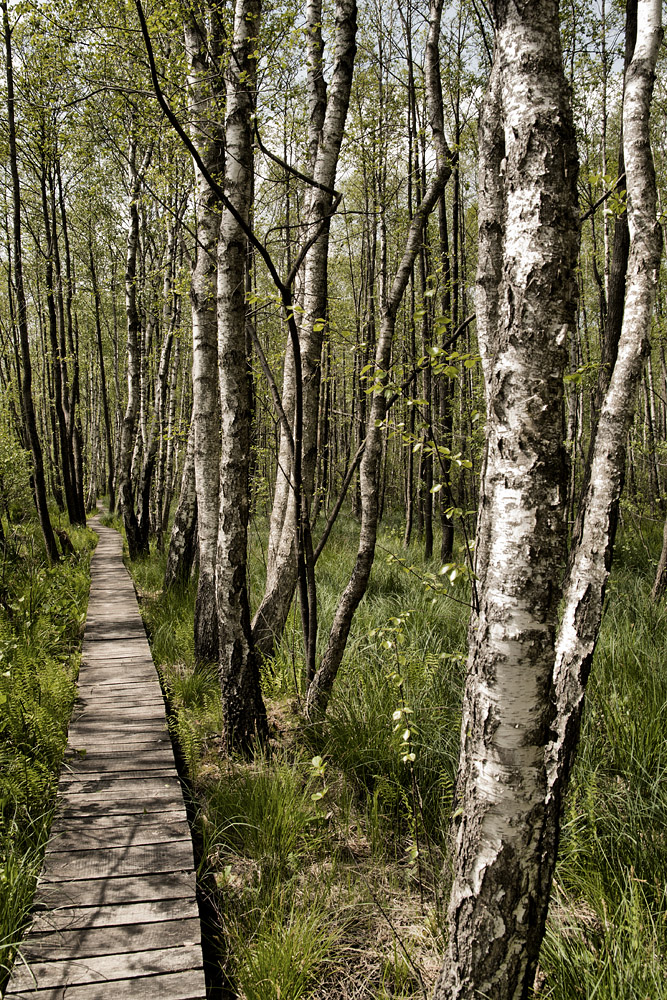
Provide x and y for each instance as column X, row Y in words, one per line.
column 42, row 611
column 607, row 936
column 328, row 853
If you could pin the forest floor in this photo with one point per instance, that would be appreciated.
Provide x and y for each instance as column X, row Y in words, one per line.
column 322, row 861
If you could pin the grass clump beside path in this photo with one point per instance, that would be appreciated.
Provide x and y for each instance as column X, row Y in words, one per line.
column 42, row 613
column 323, row 861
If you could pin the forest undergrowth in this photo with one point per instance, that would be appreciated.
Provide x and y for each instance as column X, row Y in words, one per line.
column 322, row 861
column 42, row 613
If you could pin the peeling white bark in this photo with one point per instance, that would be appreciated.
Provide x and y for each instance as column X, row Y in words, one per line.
column 206, row 108
column 243, row 709
column 590, row 561
column 526, row 292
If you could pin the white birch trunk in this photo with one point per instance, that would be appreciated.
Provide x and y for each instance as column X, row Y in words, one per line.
column 183, row 533
column 204, row 110
column 369, row 470
column 526, row 306
column 327, row 124
column 128, row 430
column 243, row 709
column 590, row 561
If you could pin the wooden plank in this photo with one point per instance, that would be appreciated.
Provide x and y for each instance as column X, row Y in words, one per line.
column 98, row 695
column 114, row 649
column 73, row 808
column 93, row 713
column 123, row 889
column 69, row 918
column 142, row 715
column 112, row 784
column 106, row 968
column 89, row 942
column 154, row 743
column 109, row 651
column 175, row 986
column 113, row 831
column 84, row 736
column 118, row 761
column 109, row 862
column 80, row 777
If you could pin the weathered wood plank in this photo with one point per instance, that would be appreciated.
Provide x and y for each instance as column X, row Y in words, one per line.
column 106, row 968
column 91, row 942
column 136, row 694
column 153, row 743
column 113, row 784
column 80, row 776
column 123, row 889
column 108, row 862
column 70, row 918
column 174, row 986
column 118, row 761
column 78, row 806
column 94, row 836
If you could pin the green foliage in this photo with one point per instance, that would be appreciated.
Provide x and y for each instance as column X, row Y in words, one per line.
column 15, row 495
column 286, row 956
column 266, row 814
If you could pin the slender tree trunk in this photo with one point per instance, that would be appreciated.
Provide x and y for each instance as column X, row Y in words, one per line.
column 171, row 456
column 243, row 709
column 202, row 49
column 371, row 463
column 327, row 123
column 22, row 312
column 129, row 426
column 183, row 539
column 103, row 383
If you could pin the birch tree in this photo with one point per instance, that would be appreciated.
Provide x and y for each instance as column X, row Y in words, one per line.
column 526, row 674
column 27, row 403
column 327, row 117
column 243, row 709
column 136, row 171
column 202, row 32
column 369, row 470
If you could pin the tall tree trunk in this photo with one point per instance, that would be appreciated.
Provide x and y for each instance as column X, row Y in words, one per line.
column 129, row 426
column 202, row 48
column 590, row 562
column 526, row 294
column 74, row 402
column 327, row 123
column 103, row 384
column 22, row 311
column 183, row 539
column 514, row 770
column 243, row 709
column 371, row 463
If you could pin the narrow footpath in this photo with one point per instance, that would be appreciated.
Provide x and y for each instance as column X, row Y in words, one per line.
column 115, row 914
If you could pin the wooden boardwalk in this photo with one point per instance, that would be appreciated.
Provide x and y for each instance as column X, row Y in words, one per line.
column 115, row 911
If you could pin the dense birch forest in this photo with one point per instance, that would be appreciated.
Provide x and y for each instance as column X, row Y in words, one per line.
column 349, row 315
